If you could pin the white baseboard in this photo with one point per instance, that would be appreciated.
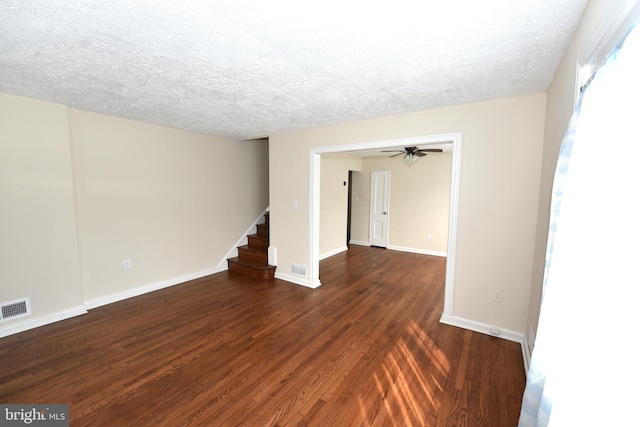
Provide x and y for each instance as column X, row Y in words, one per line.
column 484, row 328
column 100, row 301
column 297, row 280
column 130, row 293
column 333, row 252
column 402, row 249
column 417, row 251
column 41, row 321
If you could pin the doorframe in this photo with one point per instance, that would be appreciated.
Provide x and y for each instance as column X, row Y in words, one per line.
column 314, row 199
column 349, row 194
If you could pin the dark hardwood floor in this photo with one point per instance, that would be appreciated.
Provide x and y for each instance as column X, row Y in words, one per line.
column 366, row 348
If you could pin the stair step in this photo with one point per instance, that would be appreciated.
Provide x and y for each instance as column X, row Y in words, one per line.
column 251, row 268
column 253, row 258
column 255, row 254
column 263, row 230
column 257, row 241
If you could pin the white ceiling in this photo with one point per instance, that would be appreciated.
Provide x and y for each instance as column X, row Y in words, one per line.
column 245, row 69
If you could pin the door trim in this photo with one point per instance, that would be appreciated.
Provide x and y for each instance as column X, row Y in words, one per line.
column 314, row 200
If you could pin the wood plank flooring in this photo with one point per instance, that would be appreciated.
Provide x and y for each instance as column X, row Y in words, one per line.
column 364, row 349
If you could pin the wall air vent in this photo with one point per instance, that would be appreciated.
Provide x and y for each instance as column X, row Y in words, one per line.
column 299, row 270
column 14, row 309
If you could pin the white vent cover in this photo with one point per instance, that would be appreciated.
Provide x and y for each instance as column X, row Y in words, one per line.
column 300, row 270
column 15, row 309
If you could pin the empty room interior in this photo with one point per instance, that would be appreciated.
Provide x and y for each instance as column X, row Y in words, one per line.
column 303, row 213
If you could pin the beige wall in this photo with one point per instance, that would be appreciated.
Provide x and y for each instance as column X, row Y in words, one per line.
column 560, row 104
column 82, row 191
column 173, row 202
column 498, row 199
column 418, row 203
column 333, row 200
column 38, row 242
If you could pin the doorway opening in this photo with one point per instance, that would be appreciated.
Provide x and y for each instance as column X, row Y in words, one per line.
column 314, row 199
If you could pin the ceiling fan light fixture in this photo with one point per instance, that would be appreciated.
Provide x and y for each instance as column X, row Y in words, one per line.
column 412, row 154
column 410, row 159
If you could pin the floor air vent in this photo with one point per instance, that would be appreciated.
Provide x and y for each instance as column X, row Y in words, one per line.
column 14, row 309
column 300, row 270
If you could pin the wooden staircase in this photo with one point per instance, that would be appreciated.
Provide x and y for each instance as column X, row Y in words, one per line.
column 252, row 259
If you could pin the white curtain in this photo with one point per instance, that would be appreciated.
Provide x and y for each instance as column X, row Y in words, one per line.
column 585, row 364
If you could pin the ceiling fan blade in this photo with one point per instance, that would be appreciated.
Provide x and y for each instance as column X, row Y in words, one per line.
column 419, row 154
column 430, row 150
column 399, row 154
column 392, row 151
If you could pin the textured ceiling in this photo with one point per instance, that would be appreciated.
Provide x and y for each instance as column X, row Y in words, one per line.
column 251, row 68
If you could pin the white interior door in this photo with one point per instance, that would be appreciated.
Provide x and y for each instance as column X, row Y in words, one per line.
column 379, row 205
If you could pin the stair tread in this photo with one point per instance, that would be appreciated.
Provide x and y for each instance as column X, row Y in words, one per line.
column 254, row 248
column 257, row 236
column 251, row 263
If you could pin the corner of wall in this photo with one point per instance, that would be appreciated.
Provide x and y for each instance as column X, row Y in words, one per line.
column 491, row 330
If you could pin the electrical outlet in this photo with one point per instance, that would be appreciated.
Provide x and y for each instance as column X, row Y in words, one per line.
column 428, row 236
column 497, row 296
column 126, row 264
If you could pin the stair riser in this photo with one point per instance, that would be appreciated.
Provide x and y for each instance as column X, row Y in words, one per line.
column 260, row 274
column 256, row 242
column 256, row 256
column 263, row 230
